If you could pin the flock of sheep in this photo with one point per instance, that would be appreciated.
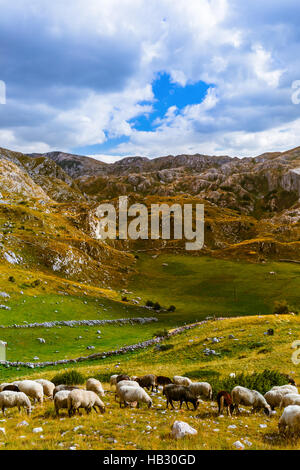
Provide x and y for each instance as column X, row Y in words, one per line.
column 131, row 391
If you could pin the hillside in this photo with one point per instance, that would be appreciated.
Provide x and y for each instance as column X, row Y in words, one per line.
column 250, row 351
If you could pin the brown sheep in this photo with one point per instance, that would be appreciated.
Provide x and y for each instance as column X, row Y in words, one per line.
column 11, row 388
column 147, row 381
column 162, row 380
column 180, row 393
column 122, row 377
column 224, row 399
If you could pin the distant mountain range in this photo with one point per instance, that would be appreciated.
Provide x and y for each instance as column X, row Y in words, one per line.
column 252, row 208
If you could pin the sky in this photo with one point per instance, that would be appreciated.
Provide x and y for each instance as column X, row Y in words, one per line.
column 112, row 78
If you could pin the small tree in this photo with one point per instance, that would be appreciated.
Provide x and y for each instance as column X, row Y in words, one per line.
column 281, row 307
column 172, row 308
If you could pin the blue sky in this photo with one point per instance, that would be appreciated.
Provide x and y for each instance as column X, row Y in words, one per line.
column 112, row 78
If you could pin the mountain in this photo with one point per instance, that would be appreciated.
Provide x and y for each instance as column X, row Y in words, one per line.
column 48, row 220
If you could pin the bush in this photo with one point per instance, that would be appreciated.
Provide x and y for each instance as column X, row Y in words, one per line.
column 260, row 381
column 157, row 306
column 172, row 308
column 71, row 377
column 281, row 307
column 11, row 279
column 124, row 299
column 149, row 303
column 161, row 333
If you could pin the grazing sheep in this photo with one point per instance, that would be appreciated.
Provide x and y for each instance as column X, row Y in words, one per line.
column 289, row 422
column 32, row 389
column 201, row 389
column 225, row 399
column 246, row 397
column 48, row 387
column 10, row 399
column 162, row 380
column 147, row 381
column 290, row 399
column 122, row 377
column 180, row 393
column 61, row 387
column 84, row 399
column 11, row 388
column 134, row 394
column 61, row 400
column 286, row 389
column 3, row 385
column 113, row 380
column 273, row 398
column 179, row 380
column 128, row 383
column 95, row 386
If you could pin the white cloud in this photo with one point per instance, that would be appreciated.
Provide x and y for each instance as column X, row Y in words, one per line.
column 103, row 56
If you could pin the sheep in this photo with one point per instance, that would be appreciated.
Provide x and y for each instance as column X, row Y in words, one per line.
column 61, row 387
column 147, row 381
column 11, row 388
column 3, row 385
column 61, row 400
column 201, row 389
column 48, row 387
column 290, row 399
column 273, row 398
column 162, row 380
column 32, row 389
column 84, row 399
column 128, row 383
column 113, row 380
column 225, row 399
column 134, row 394
column 289, row 422
column 246, row 397
column 122, row 377
column 95, row 386
column 179, row 393
column 285, row 389
column 10, row 399
column 179, row 380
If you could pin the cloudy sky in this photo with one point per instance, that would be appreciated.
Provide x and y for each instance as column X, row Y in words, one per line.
column 113, row 78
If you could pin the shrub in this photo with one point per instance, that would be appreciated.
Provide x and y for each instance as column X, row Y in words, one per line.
column 164, row 347
column 71, row 377
column 172, row 308
column 281, row 307
column 157, row 306
column 11, row 279
column 149, row 303
column 124, row 299
column 161, row 333
column 260, row 381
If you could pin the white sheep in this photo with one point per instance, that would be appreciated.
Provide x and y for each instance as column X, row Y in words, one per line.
column 246, row 397
column 286, row 389
column 179, row 380
column 273, row 398
column 289, row 422
column 32, row 389
column 48, row 387
column 61, row 400
column 113, row 380
column 290, row 399
column 128, row 383
column 10, row 399
column 129, row 394
column 84, row 399
column 201, row 389
column 95, row 386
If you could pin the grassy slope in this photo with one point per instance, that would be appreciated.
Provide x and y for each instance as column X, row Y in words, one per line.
column 128, row 427
column 201, row 286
